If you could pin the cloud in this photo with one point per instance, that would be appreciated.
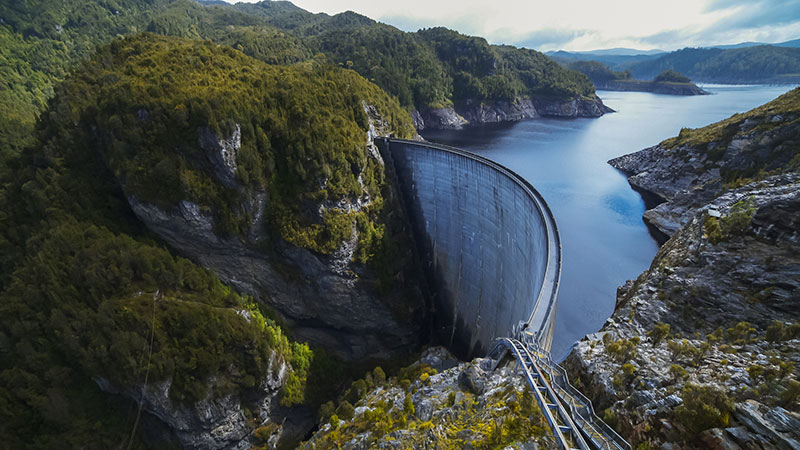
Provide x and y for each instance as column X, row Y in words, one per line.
column 549, row 39
column 466, row 24
column 588, row 24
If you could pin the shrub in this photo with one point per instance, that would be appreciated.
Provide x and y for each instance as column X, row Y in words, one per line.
column 622, row 350
column 736, row 223
column 703, row 407
column 379, row 376
column 408, row 406
column 791, row 394
column 741, row 333
column 345, row 411
column 659, row 332
column 677, row 372
column 671, row 76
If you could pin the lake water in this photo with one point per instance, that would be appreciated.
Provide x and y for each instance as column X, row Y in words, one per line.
column 605, row 242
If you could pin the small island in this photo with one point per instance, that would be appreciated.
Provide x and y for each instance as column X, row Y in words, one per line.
column 668, row 82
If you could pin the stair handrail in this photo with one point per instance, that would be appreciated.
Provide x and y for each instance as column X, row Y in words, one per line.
column 559, row 378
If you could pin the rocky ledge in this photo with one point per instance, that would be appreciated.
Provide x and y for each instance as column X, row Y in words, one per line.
column 478, row 113
column 703, row 348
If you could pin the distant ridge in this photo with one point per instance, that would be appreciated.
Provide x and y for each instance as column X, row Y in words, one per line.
column 793, row 43
column 620, row 51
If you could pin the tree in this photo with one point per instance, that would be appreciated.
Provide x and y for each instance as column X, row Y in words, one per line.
column 671, row 76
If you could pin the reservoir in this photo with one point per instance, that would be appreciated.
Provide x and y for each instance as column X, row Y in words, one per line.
column 604, row 240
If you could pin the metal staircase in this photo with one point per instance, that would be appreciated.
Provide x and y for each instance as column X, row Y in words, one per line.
column 569, row 413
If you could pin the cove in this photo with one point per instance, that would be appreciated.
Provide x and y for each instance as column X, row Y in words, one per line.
column 604, row 240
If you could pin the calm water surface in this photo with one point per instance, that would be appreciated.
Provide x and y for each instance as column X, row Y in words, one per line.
column 599, row 216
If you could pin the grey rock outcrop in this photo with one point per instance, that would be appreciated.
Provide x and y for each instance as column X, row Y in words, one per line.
column 214, row 423
column 478, row 113
column 577, row 107
column 687, row 177
column 222, row 152
column 438, row 119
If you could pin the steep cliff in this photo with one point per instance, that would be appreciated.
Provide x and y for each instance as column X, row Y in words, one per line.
column 269, row 178
column 264, row 175
column 702, row 350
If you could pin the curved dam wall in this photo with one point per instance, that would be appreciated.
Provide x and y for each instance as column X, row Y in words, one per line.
column 489, row 241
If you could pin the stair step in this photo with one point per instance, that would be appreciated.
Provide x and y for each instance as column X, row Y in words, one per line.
column 564, row 429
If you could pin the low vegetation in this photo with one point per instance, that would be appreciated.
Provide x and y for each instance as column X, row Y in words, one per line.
column 779, row 153
column 507, row 416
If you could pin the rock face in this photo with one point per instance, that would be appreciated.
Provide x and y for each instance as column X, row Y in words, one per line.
column 703, row 348
column 478, row 113
column 689, row 175
column 651, row 86
column 317, row 296
column 213, row 423
column 450, row 405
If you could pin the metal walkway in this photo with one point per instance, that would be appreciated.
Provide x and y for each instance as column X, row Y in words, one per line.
column 569, row 413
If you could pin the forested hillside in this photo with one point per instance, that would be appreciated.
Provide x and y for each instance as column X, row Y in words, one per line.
column 42, row 40
column 759, row 64
column 84, row 288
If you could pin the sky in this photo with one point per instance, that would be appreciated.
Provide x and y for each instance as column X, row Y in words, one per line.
column 580, row 25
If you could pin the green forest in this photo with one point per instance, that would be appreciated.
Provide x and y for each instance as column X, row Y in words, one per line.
column 759, row 64
column 83, row 287
column 42, row 40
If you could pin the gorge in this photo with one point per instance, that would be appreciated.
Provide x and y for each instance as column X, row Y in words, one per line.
column 220, row 228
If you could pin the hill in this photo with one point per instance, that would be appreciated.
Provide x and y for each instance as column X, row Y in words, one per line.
column 667, row 82
column 154, row 132
column 759, row 64
column 616, row 62
column 42, row 41
column 792, row 43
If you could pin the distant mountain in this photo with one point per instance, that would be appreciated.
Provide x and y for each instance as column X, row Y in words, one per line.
column 616, row 62
column 622, row 51
column 747, row 65
column 793, row 43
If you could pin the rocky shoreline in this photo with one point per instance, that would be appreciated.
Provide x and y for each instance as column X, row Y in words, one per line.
column 702, row 349
column 473, row 113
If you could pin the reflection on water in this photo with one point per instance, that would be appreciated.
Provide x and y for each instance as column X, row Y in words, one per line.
column 604, row 239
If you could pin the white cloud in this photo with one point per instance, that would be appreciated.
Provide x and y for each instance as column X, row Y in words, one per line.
column 586, row 24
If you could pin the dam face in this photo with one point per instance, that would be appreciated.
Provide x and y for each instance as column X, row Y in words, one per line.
column 489, row 241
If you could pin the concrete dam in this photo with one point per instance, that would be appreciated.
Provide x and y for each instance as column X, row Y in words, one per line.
column 488, row 239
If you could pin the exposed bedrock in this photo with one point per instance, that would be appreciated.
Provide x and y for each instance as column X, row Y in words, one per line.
column 474, row 112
